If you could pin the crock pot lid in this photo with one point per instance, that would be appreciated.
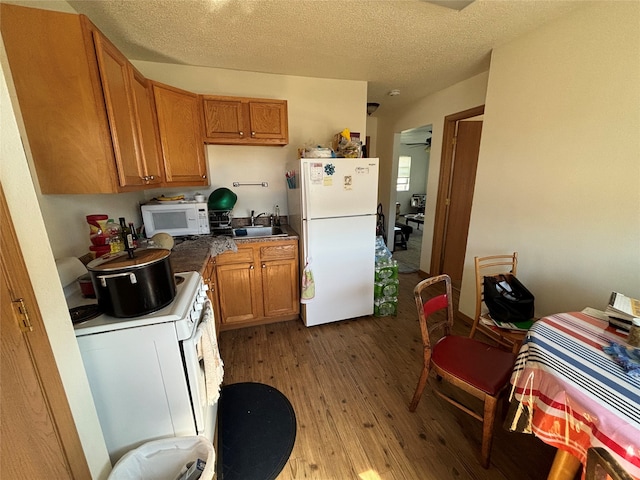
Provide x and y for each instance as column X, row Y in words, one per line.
column 119, row 261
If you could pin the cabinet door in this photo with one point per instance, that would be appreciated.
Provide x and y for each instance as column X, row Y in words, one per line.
column 52, row 60
column 239, row 292
column 179, row 121
column 114, row 74
column 280, row 288
column 224, row 119
column 39, row 436
column 146, row 116
column 245, row 121
column 268, row 121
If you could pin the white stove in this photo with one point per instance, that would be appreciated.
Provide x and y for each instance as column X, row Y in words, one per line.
column 146, row 373
column 184, row 310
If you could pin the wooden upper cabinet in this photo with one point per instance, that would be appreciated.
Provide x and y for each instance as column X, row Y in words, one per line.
column 153, row 171
column 245, row 121
column 179, row 120
column 53, row 64
column 129, row 110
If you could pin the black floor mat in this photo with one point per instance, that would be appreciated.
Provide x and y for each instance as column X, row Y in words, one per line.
column 257, row 431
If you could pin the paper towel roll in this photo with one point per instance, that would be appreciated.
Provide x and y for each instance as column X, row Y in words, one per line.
column 69, row 269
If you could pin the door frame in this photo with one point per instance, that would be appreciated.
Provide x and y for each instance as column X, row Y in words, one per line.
column 446, row 163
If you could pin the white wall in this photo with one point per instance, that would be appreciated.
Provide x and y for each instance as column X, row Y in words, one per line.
column 30, row 229
column 430, row 110
column 559, row 167
column 318, row 109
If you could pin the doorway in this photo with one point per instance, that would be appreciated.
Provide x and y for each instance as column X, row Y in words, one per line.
column 410, row 184
column 461, row 145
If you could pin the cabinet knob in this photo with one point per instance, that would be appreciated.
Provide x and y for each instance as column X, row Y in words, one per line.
column 251, row 267
column 204, row 176
column 264, row 266
column 241, row 133
column 146, row 178
column 152, row 177
column 253, row 134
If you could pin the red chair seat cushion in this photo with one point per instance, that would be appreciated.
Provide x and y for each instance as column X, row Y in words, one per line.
column 483, row 366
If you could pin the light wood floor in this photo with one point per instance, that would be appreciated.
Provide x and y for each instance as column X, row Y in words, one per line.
column 350, row 383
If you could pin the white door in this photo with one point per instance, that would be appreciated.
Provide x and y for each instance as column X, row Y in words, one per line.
column 337, row 187
column 342, row 263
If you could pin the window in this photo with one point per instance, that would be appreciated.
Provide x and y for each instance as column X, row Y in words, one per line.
column 404, row 174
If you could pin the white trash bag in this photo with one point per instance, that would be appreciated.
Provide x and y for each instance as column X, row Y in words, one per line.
column 165, row 459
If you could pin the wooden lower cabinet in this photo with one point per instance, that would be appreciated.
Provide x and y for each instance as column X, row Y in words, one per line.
column 258, row 284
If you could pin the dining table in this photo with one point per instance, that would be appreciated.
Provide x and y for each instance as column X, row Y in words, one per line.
column 571, row 394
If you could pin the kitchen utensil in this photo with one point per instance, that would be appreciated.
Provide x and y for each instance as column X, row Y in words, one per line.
column 130, row 287
column 222, row 199
column 86, row 286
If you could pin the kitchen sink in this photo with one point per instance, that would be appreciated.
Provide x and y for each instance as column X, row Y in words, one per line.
column 259, row 231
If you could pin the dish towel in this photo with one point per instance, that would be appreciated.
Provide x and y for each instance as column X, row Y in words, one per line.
column 221, row 244
column 209, row 355
column 308, row 285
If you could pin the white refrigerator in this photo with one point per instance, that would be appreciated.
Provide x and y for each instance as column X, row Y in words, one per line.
column 332, row 205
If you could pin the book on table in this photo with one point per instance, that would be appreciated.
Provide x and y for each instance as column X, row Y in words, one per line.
column 621, row 310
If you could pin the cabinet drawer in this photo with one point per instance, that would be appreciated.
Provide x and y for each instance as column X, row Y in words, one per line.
column 278, row 252
column 243, row 255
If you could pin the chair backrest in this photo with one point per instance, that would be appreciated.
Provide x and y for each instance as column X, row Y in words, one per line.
column 492, row 265
column 600, row 463
column 429, row 300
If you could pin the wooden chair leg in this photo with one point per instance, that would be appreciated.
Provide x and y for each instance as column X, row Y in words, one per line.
column 473, row 330
column 490, row 407
column 418, row 393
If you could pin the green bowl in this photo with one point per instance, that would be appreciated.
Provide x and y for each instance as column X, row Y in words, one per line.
column 222, row 199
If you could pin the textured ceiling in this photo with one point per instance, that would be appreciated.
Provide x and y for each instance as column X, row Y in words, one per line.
column 410, row 45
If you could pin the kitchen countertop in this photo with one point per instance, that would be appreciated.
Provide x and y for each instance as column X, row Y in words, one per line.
column 192, row 255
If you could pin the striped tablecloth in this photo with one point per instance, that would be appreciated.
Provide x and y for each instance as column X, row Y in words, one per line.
column 572, row 395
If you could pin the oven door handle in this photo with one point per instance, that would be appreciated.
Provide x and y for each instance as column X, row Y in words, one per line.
column 207, row 316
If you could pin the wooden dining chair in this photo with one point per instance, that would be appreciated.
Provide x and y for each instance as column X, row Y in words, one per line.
column 468, row 364
column 490, row 266
column 601, row 463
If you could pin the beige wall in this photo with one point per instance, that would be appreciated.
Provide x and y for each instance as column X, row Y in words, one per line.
column 30, row 229
column 559, row 167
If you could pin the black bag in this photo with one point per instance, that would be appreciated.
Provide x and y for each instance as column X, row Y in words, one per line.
column 507, row 299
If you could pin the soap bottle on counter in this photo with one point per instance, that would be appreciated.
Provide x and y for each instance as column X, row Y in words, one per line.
column 276, row 216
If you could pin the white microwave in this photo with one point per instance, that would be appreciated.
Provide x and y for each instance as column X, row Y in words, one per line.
column 176, row 219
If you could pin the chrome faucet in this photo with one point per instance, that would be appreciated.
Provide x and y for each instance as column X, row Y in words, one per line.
column 253, row 218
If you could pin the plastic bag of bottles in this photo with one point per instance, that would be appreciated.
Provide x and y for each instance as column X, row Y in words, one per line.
column 383, row 254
